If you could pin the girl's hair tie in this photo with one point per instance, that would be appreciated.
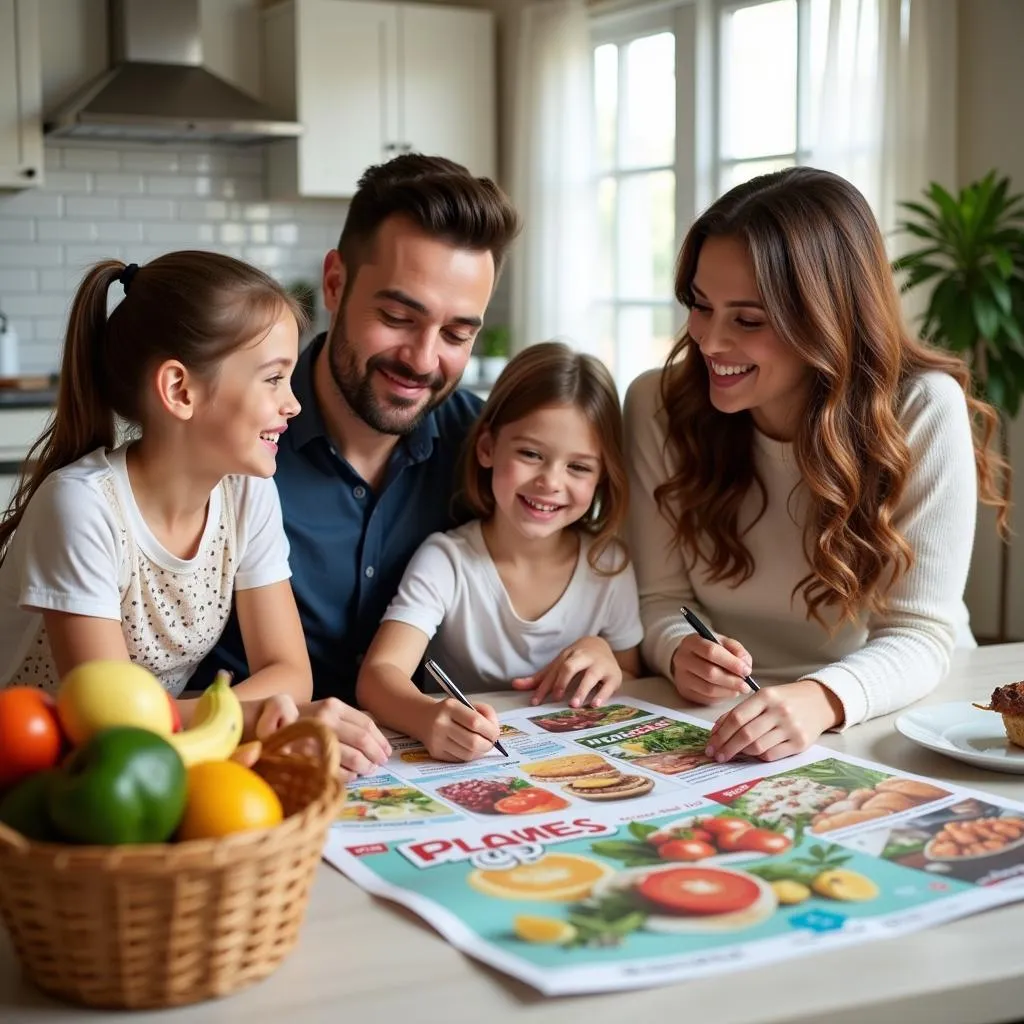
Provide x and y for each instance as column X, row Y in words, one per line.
column 128, row 275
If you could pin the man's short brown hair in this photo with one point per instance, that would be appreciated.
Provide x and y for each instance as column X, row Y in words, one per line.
column 440, row 197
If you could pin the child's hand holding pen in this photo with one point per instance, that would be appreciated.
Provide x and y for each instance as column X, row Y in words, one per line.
column 709, row 671
column 460, row 733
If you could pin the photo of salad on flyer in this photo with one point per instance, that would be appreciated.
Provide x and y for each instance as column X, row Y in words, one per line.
column 827, row 795
column 384, row 799
column 661, row 745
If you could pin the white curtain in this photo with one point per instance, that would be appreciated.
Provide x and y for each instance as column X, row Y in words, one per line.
column 552, row 175
column 887, row 119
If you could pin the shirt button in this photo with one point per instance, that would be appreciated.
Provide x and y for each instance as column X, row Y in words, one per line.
column 369, row 572
column 359, row 491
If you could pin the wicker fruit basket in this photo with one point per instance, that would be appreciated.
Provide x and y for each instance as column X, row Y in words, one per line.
column 163, row 925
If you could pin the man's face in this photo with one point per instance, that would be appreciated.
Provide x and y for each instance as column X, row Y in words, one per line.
column 403, row 324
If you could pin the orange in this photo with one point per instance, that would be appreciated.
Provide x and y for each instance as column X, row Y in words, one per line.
column 226, row 797
column 556, row 876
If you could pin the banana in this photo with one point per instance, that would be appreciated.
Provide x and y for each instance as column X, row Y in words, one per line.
column 216, row 727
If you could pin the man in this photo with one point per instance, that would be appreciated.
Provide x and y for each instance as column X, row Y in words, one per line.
column 367, row 469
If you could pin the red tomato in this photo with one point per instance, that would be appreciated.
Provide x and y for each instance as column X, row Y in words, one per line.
column 685, row 849
column 530, row 801
column 692, row 890
column 30, row 736
column 724, row 825
column 763, row 840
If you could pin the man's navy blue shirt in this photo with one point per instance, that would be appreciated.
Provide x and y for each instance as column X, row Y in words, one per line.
column 349, row 545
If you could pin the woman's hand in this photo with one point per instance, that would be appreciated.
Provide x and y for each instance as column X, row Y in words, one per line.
column 775, row 722
column 707, row 673
column 457, row 733
column 363, row 746
column 591, row 659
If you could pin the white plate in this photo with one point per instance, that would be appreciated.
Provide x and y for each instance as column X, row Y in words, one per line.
column 960, row 730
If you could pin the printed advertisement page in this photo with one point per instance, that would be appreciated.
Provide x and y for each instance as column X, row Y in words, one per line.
column 608, row 852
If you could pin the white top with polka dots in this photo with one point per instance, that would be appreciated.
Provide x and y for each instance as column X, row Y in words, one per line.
column 84, row 548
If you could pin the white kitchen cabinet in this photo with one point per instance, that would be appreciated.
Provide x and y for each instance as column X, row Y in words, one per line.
column 21, row 83
column 371, row 80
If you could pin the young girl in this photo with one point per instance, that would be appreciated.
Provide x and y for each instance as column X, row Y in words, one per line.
column 805, row 474
column 537, row 592
column 136, row 551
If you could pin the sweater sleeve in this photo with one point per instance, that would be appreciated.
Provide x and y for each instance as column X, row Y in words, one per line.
column 663, row 581
column 908, row 647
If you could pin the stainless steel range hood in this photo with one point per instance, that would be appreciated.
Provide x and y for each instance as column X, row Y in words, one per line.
column 157, row 89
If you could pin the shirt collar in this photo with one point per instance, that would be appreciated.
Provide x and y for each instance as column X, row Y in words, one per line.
column 309, row 423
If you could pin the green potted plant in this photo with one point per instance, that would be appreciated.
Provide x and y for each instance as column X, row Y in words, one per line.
column 493, row 347
column 971, row 257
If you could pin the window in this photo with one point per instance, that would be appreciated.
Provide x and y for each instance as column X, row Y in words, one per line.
column 689, row 101
column 770, row 58
column 635, row 109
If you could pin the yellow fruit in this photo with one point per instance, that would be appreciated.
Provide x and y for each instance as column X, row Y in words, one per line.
column 840, row 884
column 789, row 892
column 225, row 797
column 216, row 727
column 98, row 694
column 546, row 930
column 556, row 876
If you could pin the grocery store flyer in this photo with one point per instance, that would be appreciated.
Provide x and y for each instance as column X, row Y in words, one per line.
column 608, row 852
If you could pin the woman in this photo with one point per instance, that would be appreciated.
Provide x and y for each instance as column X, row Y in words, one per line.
column 805, row 474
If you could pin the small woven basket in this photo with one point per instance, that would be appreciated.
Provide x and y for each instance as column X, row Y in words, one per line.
column 162, row 925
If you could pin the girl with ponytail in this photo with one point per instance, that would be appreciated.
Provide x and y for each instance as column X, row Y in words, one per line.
column 136, row 550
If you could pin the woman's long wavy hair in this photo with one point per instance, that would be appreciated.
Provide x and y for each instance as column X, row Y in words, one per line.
column 551, row 373
column 827, row 288
column 193, row 306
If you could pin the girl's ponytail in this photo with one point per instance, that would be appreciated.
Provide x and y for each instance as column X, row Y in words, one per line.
column 83, row 420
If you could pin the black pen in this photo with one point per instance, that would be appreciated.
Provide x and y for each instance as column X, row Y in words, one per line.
column 442, row 680
column 708, row 635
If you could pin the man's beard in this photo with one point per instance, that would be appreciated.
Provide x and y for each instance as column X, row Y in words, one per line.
column 391, row 415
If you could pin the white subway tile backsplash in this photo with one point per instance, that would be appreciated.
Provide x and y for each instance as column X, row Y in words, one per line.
column 88, row 158
column 18, row 281
column 232, row 234
column 19, row 307
column 118, row 231
column 180, row 235
column 17, row 230
column 65, row 230
column 285, row 234
column 83, row 256
column 26, row 254
column 59, row 282
column 174, row 185
column 31, row 203
column 51, row 328
column 152, row 162
column 92, row 207
column 120, row 184
column 69, row 181
column 213, row 209
column 148, row 209
column 134, row 202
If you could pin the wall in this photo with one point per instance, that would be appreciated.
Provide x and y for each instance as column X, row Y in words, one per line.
column 132, row 201
column 991, row 93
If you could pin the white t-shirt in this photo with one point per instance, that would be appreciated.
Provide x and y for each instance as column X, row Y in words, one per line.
column 874, row 666
column 84, row 548
column 452, row 592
